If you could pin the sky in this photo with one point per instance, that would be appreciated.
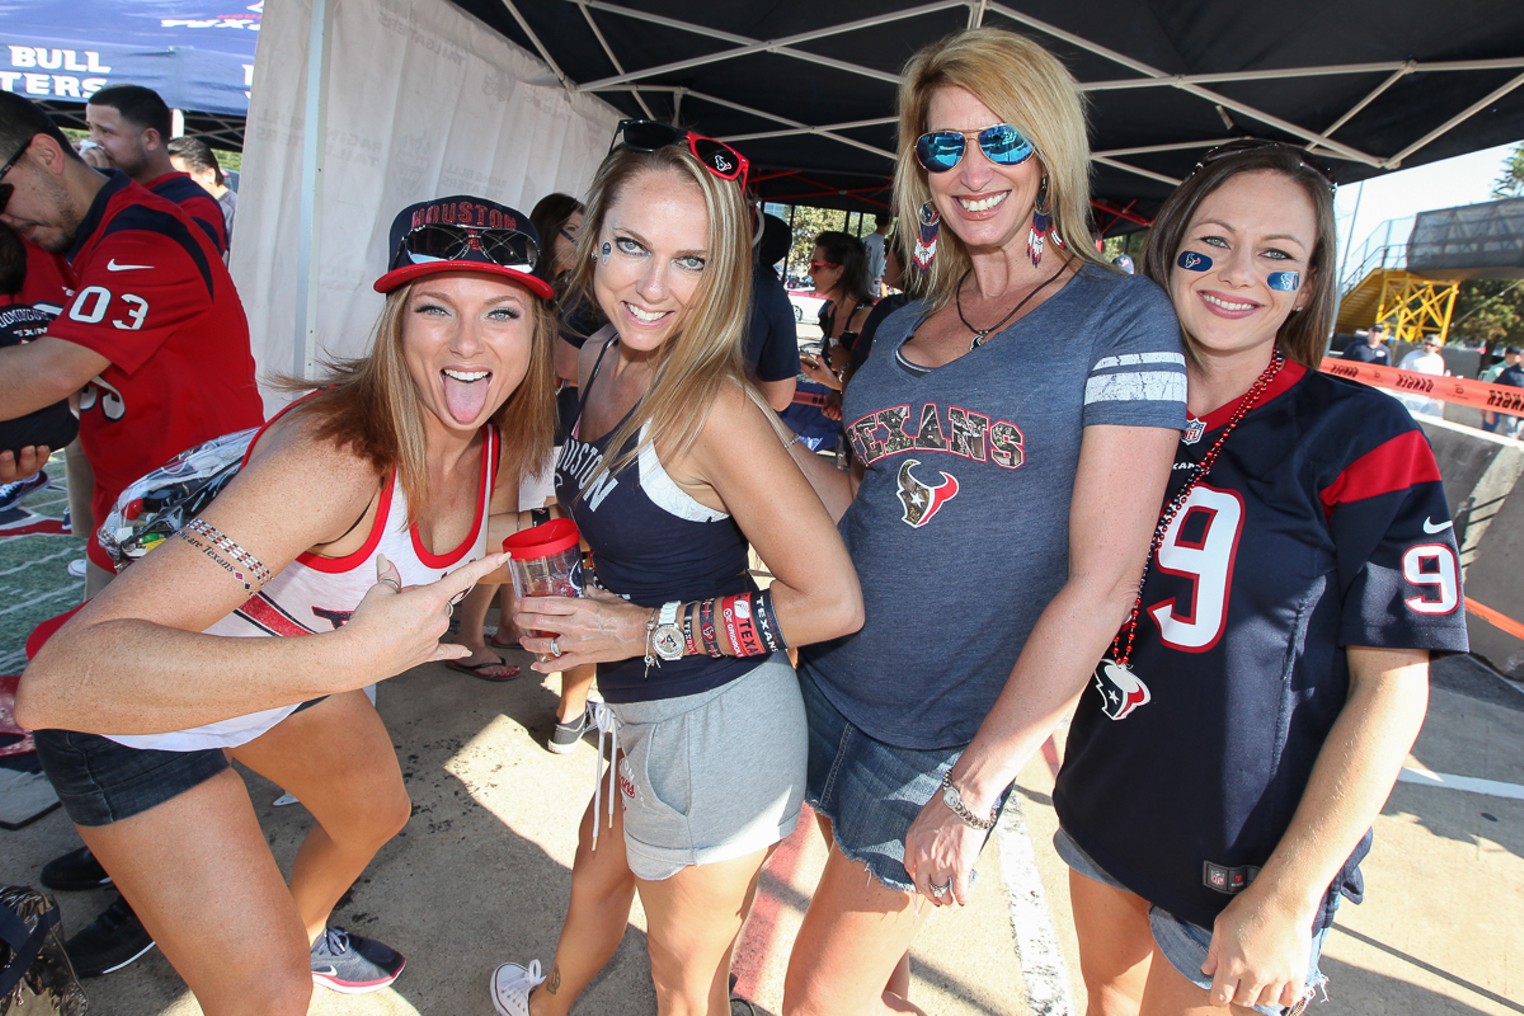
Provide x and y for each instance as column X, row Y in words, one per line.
column 1462, row 180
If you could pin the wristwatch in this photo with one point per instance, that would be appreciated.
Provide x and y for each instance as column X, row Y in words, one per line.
column 954, row 800
column 667, row 637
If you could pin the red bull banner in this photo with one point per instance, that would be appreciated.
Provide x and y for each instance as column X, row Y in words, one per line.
column 1461, row 391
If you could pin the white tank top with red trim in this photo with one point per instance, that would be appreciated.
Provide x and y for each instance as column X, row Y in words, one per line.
column 318, row 594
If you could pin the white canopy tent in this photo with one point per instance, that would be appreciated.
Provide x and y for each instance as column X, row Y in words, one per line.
column 408, row 108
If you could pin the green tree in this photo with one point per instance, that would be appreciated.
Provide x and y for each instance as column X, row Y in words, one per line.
column 1511, row 183
column 1490, row 311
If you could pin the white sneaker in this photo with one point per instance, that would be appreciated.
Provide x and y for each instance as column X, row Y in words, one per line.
column 77, row 567
column 511, row 985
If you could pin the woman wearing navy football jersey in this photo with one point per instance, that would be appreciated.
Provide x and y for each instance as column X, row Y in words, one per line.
column 360, row 514
column 1014, row 427
column 1225, row 766
column 673, row 465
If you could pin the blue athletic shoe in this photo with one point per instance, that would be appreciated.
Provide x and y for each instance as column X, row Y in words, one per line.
column 352, row 964
column 11, row 493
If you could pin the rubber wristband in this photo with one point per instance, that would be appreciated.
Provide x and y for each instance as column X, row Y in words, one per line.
column 746, row 627
column 767, row 621
column 728, row 616
column 689, row 648
column 710, row 637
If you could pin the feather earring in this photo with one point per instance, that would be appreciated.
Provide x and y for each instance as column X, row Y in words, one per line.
column 1042, row 222
column 926, row 238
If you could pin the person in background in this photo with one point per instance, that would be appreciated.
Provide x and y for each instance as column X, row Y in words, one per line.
column 132, row 125
column 873, row 246
column 196, row 159
column 1014, row 427
column 331, row 561
column 1371, row 349
column 1223, row 769
column 1424, row 360
column 32, row 293
column 772, row 335
column 1490, row 420
column 1511, row 376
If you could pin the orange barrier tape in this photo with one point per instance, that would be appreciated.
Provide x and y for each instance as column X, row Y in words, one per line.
column 1497, row 619
column 1461, row 391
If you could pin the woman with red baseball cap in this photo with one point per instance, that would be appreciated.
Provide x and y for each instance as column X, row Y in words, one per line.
column 359, row 518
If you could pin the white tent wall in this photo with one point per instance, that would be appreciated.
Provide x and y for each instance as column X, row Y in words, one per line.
column 423, row 101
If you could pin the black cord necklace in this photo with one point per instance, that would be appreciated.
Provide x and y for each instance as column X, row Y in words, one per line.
column 981, row 334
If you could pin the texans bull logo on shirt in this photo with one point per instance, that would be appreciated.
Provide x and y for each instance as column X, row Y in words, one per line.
column 922, row 501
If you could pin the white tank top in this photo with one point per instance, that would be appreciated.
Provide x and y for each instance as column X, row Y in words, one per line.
column 317, row 594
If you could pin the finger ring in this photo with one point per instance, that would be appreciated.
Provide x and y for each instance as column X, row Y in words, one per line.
column 941, row 890
column 555, row 650
column 391, row 582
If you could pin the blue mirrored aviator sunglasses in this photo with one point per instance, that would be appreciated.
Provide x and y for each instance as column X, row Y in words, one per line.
column 939, row 151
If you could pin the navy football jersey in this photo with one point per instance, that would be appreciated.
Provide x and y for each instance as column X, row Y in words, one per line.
column 1322, row 525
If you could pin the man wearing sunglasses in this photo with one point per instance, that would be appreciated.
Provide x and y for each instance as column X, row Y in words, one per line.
column 152, row 337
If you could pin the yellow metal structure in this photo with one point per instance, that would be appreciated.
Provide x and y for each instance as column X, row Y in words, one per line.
column 1409, row 305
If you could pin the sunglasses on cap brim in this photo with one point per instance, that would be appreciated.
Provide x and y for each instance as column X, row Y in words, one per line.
column 649, row 135
column 506, row 248
column 1002, row 144
column 1245, row 146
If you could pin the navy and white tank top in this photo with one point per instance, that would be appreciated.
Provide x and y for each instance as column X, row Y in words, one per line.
column 652, row 542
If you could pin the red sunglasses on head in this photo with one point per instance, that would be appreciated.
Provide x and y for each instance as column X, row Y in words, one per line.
column 649, row 135
column 816, row 266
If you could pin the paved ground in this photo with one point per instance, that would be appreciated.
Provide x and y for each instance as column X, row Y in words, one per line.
column 481, row 873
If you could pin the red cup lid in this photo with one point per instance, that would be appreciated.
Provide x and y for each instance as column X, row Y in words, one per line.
column 545, row 540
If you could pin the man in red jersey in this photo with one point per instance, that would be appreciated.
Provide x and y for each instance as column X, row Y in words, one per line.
column 156, row 337
column 132, row 126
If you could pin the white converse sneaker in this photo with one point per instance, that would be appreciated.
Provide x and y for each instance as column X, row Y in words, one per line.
column 511, row 985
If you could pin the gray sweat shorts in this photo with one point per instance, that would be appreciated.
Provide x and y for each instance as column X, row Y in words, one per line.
column 712, row 776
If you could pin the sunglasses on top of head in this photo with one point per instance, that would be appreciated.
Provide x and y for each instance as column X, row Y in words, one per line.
column 506, row 248
column 649, row 135
column 1002, row 144
column 1244, row 146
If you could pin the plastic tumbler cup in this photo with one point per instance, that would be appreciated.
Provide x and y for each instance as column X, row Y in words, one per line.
column 546, row 561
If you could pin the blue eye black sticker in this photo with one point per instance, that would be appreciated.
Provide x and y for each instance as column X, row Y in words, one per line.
column 1286, row 282
column 605, row 251
column 1193, row 262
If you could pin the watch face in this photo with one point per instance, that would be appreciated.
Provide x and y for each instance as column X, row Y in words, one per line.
column 952, row 797
column 668, row 643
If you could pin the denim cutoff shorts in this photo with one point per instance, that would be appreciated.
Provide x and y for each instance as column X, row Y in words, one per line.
column 869, row 790
column 1185, row 944
column 100, row 781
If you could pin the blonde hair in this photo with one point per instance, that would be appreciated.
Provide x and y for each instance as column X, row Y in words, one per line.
column 705, row 351
column 1028, row 88
column 371, row 404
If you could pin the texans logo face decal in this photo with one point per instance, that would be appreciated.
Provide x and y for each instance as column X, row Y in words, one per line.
column 921, row 500
column 1121, row 690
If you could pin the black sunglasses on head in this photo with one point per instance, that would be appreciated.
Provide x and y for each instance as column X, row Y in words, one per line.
column 718, row 157
column 7, row 189
column 1244, row 146
column 506, row 248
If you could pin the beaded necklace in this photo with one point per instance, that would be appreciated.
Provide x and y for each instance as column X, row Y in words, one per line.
column 1128, row 633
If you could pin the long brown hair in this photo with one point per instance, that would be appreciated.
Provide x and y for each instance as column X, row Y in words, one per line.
column 1303, row 335
column 706, row 350
column 1028, row 88
column 370, row 404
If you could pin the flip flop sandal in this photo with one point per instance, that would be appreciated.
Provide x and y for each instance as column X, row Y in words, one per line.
column 479, row 670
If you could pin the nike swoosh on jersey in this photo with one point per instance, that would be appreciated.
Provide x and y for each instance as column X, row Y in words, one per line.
column 1429, row 526
column 112, row 266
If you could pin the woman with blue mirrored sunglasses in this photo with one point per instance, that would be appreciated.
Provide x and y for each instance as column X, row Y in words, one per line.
column 939, row 151
column 1025, row 374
